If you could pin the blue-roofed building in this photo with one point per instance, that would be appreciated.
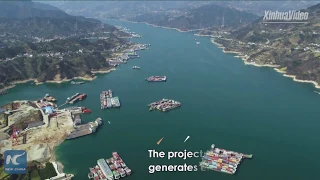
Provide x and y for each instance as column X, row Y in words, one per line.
column 48, row 110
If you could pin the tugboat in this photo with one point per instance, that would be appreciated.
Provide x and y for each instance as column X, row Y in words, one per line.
column 135, row 67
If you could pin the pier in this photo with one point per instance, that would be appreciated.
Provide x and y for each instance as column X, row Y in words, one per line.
column 77, row 98
column 164, row 105
column 222, row 160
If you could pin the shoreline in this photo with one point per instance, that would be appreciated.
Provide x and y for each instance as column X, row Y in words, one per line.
column 160, row 26
column 238, row 54
column 294, row 78
column 85, row 78
column 275, row 67
column 242, row 57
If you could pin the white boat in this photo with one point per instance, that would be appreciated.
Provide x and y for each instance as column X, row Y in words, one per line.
column 109, row 122
column 197, row 42
column 136, row 67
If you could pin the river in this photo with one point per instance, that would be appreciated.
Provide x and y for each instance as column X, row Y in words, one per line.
column 235, row 106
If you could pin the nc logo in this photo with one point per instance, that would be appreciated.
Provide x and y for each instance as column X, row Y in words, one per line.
column 15, row 161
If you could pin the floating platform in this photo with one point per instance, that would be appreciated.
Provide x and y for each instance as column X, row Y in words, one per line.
column 85, row 129
column 108, row 101
column 164, row 105
column 110, row 169
column 156, row 79
column 222, row 160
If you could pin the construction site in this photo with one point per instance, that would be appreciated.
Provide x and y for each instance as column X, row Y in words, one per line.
column 35, row 127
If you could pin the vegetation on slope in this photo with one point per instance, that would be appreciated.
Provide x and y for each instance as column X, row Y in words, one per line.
column 52, row 46
column 294, row 47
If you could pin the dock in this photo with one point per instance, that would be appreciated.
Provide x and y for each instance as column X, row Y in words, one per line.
column 222, row 160
column 72, row 97
column 76, row 119
column 85, row 129
column 164, row 105
column 113, row 168
column 108, row 101
column 77, row 98
column 74, row 110
column 156, row 79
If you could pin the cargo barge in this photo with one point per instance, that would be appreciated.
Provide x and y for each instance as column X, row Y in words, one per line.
column 78, row 98
column 72, row 97
column 222, row 160
column 85, row 129
column 164, row 105
column 156, row 79
column 108, row 101
column 109, row 169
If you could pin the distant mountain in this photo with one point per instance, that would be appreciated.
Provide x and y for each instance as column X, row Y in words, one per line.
column 27, row 9
column 294, row 47
column 26, row 19
column 120, row 9
column 204, row 17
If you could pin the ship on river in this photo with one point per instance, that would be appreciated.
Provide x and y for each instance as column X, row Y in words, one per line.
column 156, row 79
column 85, row 129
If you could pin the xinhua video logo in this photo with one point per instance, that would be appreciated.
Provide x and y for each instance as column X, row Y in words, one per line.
column 15, row 162
column 285, row 17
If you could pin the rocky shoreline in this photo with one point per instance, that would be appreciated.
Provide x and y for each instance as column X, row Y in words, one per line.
column 274, row 66
column 193, row 30
column 85, row 78
column 238, row 54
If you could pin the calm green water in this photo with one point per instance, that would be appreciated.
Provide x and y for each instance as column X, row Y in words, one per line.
column 237, row 107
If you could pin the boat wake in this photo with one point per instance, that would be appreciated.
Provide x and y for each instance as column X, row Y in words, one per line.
column 316, row 92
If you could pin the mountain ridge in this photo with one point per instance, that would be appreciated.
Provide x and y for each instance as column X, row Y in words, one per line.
column 293, row 48
column 52, row 46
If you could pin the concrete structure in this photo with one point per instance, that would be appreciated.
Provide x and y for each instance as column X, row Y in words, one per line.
column 35, row 124
column 77, row 119
column 60, row 176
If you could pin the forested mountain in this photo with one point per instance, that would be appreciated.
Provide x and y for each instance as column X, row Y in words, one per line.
column 295, row 47
column 39, row 41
